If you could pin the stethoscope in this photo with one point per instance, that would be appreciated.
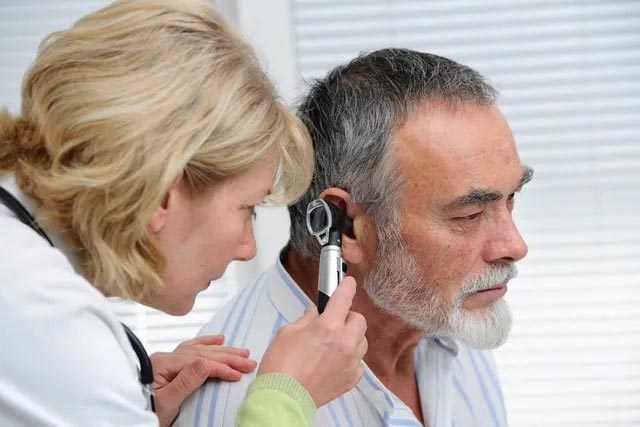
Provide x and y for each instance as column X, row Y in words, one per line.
column 146, row 370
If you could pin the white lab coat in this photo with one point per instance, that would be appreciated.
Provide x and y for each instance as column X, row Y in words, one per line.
column 64, row 358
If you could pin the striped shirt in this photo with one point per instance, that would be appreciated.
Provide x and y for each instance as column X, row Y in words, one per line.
column 458, row 385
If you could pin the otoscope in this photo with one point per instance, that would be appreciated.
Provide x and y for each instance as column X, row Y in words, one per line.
column 327, row 222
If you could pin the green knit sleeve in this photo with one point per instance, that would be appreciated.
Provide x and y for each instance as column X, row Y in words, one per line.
column 276, row 400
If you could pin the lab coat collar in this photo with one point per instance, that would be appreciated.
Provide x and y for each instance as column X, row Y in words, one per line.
column 8, row 182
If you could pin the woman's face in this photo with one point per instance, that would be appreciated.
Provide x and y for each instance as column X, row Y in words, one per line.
column 201, row 233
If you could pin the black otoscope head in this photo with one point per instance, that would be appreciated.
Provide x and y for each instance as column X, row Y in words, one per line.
column 340, row 223
column 327, row 222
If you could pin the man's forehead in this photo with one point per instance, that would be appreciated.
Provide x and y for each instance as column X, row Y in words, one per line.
column 450, row 152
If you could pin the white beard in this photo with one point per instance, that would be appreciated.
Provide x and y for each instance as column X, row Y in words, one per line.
column 395, row 285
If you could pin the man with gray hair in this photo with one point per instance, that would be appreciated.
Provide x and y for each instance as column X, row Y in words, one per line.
column 413, row 148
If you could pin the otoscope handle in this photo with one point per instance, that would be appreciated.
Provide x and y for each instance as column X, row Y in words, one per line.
column 331, row 273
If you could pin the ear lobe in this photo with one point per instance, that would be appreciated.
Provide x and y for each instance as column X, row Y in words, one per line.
column 351, row 250
column 159, row 217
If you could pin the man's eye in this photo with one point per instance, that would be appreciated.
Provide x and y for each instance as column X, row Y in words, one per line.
column 469, row 217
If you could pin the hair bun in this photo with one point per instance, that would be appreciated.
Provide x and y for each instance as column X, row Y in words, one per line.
column 25, row 134
column 8, row 140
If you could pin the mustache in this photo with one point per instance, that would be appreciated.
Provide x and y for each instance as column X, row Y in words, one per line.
column 489, row 278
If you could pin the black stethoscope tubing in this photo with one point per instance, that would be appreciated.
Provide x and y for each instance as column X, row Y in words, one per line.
column 146, row 369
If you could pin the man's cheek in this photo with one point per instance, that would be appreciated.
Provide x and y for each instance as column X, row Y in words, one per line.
column 458, row 268
column 464, row 257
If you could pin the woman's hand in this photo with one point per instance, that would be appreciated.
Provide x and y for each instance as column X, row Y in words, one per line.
column 178, row 374
column 322, row 352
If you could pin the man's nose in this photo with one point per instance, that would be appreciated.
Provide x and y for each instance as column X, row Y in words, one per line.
column 508, row 244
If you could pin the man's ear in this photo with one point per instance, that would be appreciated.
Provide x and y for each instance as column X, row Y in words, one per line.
column 353, row 242
column 158, row 219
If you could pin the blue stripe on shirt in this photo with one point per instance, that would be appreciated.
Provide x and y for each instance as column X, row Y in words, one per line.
column 216, row 386
column 492, row 377
column 333, row 415
column 203, row 389
column 485, row 392
column 404, row 422
column 345, row 411
column 435, row 415
column 355, row 405
column 459, row 363
column 244, row 340
column 464, row 397
column 276, row 327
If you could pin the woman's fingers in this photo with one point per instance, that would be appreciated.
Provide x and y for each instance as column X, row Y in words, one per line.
column 205, row 340
column 310, row 314
column 363, row 346
column 223, row 371
column 356, row 325
column 233, row 357
column 207, row 349
column 339, row 304
column 238, row 363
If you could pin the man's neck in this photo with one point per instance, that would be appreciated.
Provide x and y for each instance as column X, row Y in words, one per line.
column 392, row 341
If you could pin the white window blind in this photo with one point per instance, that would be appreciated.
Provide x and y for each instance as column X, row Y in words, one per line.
column 23, row 24
column 569, row 74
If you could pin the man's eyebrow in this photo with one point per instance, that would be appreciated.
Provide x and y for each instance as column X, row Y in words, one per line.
column 474, row 197
column 486, row 195
column 527, row 175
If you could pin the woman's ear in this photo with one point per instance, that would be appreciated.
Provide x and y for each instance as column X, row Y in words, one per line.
column 353, row 241
column 158, row 219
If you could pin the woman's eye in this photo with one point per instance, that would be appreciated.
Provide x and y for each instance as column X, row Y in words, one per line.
column 251, row 209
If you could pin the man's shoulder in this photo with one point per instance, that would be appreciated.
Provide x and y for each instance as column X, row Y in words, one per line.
column 250, row 320
column 250, row 309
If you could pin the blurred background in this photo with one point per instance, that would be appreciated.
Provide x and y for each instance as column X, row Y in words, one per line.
column 569, row 76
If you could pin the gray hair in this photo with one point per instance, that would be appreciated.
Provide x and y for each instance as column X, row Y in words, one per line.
column 352, row 115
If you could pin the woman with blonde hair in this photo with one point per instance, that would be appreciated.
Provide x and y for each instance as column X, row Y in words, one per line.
column 147, row 135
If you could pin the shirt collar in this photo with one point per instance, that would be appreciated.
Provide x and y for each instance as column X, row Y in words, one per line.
column 285, row 294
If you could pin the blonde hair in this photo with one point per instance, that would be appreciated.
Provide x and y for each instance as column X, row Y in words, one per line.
column 123, row 102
